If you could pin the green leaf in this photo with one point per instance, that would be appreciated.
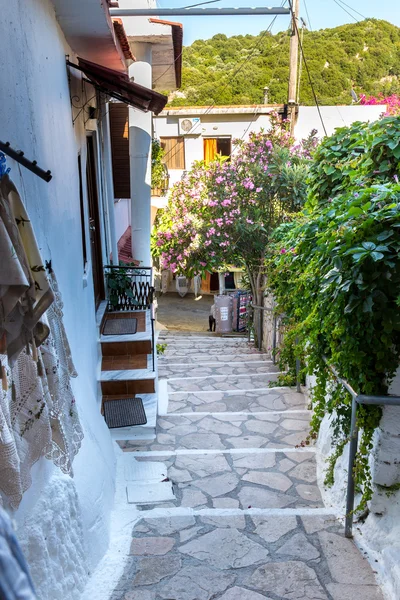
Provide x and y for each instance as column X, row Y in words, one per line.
column 368, row 245
column 377, row 255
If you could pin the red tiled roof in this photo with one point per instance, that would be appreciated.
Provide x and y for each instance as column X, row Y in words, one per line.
column 123, row 40
column 177, row 42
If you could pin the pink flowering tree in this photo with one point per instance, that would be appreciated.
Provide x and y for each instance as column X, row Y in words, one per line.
column 392, row 103
column 222, row 214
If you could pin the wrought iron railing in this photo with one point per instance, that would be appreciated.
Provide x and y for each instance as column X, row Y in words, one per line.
column 128, row 288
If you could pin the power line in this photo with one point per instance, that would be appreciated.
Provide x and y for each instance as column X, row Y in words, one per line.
column 308, row 16
column 345, row 10
column 234, row 74
column 353, row 9
column 306, row 66
column 230, row 76
column 201, row 4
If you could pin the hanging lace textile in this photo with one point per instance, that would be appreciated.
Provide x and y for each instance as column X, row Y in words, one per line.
column 25, row 406
column 37, row 407
column 196, row 285
column 55, row 352
column 25, row 293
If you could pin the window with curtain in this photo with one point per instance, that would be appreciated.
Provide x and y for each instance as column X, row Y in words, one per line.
column 216, row 146
column 174, row 148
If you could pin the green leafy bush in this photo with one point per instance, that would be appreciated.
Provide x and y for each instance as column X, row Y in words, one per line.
column 335, row 272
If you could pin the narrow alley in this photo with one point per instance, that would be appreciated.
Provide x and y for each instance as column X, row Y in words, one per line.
column 235, row 510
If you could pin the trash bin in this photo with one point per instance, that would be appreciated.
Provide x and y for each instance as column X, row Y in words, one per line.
column 223, row 314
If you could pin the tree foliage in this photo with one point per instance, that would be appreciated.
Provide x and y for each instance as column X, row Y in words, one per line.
column 364, row 56
column 223, row 213
column 335, row 272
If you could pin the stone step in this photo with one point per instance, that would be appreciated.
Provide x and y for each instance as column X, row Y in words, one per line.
column 211, row 369
column 222, row 382
column 227, row 431
column 244, row 557
column 206, row 351
column 268, row 399
column 194, row 359
column 241, row 480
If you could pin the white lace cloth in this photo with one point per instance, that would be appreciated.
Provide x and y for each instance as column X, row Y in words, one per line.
column 38, row 416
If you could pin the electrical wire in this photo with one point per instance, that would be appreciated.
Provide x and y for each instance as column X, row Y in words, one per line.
column 231, row 76
column 306, row 66
column 353, row 9
column 346, row 11
column 308, row 16
column 202, row 4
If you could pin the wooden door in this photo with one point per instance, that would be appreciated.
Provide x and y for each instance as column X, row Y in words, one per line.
column 94, row 223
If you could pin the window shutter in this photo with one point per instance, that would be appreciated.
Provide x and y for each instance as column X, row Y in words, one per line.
column 174, row 148
column 119, row 129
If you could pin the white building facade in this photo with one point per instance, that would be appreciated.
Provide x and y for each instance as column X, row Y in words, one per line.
column 52, row 113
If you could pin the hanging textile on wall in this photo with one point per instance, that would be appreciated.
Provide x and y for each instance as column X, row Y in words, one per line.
column 38, row 416
column 56, row 355
column 182, row 285
column 165, row 280
column 196, row 285
column 25, row 293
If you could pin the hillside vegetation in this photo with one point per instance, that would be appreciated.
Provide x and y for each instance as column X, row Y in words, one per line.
column 365, row 56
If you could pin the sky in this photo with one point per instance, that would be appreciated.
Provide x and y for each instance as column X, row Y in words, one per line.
column 321, row 14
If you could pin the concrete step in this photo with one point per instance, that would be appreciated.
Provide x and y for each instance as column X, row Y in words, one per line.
column 208, row 351
column 249, row 554
column 210, row 369
column 194, row 359
column 222, row 382
column 238, row 481
column 260, row 400
column 228, row 431
column 132, row 381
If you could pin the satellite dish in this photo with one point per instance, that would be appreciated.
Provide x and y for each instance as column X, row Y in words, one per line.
column 354, row 96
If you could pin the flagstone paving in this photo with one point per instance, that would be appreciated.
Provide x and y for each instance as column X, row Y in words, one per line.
column 259, row 400
column 247, row 521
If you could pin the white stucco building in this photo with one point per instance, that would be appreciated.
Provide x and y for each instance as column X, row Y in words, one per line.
column 187, row 132
column 57, row 113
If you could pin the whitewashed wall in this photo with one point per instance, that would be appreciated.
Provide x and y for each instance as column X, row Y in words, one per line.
column 218, row 125
column 333, row 117
column 239, row 125
column 122, row 211
column 62, row 523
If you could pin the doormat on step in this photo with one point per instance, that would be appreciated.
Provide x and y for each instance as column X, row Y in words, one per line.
column 124, row 326
column 124, row 412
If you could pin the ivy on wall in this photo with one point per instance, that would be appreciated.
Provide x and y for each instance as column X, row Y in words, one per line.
column 335, row 273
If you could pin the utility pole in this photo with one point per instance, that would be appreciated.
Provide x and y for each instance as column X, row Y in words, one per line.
column 293, row 62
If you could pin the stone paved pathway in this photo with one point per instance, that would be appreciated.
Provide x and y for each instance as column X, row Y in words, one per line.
column 247, row 521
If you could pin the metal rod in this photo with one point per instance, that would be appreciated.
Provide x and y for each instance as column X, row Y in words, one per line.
column 344, row 383
column 274, row 340
column 197, row 12
column 25, row 162
column 379, row 400
column 350, row 475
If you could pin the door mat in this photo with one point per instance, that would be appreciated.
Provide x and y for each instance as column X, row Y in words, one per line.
column 124, row 412
column 126, row 326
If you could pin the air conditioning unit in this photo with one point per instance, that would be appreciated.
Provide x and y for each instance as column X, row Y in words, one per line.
column 189, row 126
